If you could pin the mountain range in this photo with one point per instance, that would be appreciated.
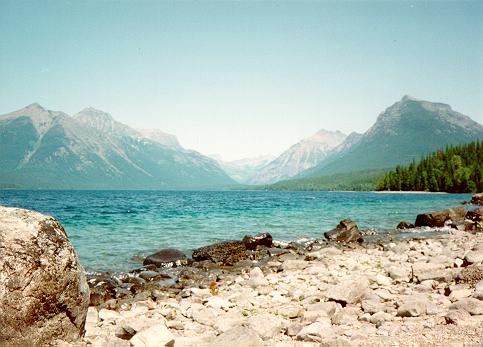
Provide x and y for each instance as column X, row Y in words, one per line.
column 404, row 132
column 40, row 148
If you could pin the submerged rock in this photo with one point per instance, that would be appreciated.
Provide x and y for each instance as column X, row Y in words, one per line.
column 405, row 225
column 43, row 290
column 168, row 257
column 437, row 219
column 223, row 253
column 346, row 231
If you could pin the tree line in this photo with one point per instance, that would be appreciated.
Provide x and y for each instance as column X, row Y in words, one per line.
column 457, row 169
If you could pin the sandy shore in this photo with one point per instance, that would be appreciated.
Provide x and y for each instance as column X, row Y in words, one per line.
column 406, row 292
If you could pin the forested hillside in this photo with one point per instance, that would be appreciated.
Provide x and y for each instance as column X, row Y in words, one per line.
column 457, row 169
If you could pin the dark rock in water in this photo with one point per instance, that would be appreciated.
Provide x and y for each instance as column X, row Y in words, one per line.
column 223, row 253
column 346, row 231
column 477, row 199
column 475, row 215
column 44, row 294
column 437, row 219
column 264, row 239
column 166, row 258
column 405, row 225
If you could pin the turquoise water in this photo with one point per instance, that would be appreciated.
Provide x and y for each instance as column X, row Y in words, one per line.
column 108, row 228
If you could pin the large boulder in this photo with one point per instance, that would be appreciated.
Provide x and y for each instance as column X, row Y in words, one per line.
column 345, row 231
column 222, row 253
column 43, row 290
column 437, row 219
column 168, row 257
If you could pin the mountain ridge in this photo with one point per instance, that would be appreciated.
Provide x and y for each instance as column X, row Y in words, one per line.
column 405, row 131
column 50, row 149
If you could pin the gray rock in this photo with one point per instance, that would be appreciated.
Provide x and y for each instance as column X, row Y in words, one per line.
column 43, row 289
column 412, row 306
column 168, row 257
column 349, row 291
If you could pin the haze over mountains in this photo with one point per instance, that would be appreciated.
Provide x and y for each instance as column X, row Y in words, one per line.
column 49, row 149
column 302, row 156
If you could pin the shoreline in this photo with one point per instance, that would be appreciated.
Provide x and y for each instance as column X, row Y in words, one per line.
column 414, row 290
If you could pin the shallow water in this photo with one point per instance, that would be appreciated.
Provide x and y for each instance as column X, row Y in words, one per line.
column 108, row 228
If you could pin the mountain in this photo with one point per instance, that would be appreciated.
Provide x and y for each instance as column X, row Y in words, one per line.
column 302, row 156
column 40, row 148
column 405, row 131
column 242, row 170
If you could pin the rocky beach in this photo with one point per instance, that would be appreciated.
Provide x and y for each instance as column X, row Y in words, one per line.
column 346, row 288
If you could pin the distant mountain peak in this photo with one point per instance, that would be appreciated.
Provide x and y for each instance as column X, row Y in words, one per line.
column 409, row 98
column 35, row 106
column 94, row 113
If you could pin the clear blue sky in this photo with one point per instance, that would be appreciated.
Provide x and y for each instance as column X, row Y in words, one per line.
column 240, row 78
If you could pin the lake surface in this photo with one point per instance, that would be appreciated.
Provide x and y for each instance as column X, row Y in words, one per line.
column 109, row 228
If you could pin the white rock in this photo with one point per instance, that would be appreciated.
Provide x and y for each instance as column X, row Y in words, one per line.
column 379, row 318
column 290, row 311
column 206, row 316
column 458, row 262
column 411, row 306
column 474, row 257
column 108, row 315
column 460, row 293
column 471, row 305
column 316, row 332
column 238, row 336
column 219, row 303
column 383, row 280
column 349, row 291
column 372, row 306
column 459, row 317
column 157, row 335
column 399, row 273
column 294, row 265
column 265, row 325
